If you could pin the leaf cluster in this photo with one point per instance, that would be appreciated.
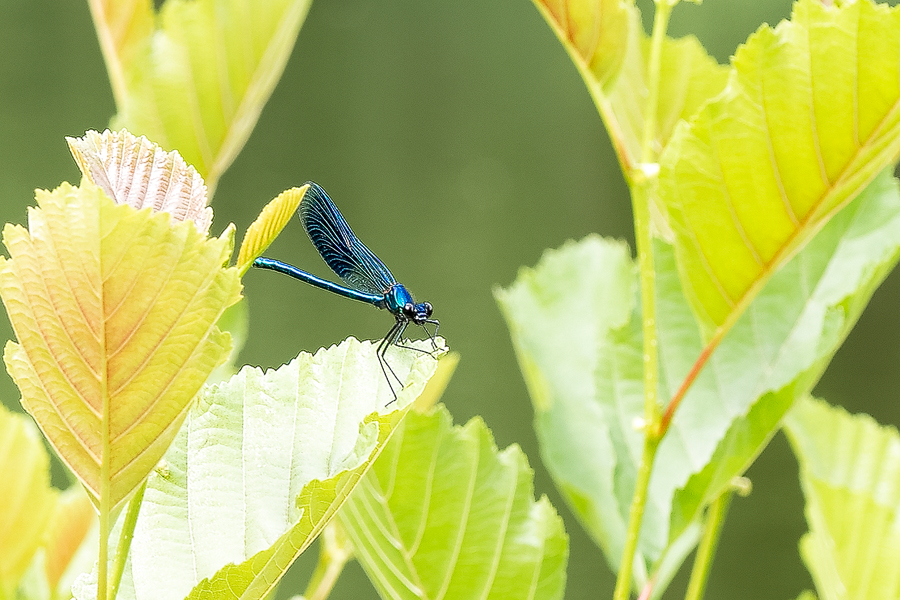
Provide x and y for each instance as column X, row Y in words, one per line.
column 766, row 215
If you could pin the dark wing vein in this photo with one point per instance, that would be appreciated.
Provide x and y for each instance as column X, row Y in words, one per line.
column 348, row 257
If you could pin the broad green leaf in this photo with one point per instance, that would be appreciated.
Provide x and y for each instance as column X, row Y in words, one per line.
column 195, row 75
column 444, row 514
column 261, row 464
column 584, row 368
column 114, row 310
column 27, row 502
column 810, row 115
column 570, row 320
column 137, row 172
column 263, row 231
column 594, row 33
column 850, row 472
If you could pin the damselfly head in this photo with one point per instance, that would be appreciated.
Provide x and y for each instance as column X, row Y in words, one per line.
column 417, row 313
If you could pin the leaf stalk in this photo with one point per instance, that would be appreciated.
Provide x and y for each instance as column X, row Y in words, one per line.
column 125, row 537
column 712, row 530
column 334, row 553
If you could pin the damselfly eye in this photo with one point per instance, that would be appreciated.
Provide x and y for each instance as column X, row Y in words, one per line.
column 409, row 310
column 427, row 307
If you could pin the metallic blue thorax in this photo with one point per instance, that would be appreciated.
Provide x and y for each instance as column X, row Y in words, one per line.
column 396, row 298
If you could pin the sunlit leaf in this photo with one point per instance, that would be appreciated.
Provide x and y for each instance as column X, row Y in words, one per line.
column 195, row 76
column 594, row 32
column 576, row 326
column 71, row 538
column 688, row 78
column 809, row 117
column 608, row 45
column 137, row 172
column 114, row 310
column 433, row 392
column 268, row 225
column 27, row 502
column 850, row 472
column 261, row 464
column 443, row 513
column 236, row 322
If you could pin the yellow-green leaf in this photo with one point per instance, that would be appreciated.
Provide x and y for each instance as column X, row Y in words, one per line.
column 137, row 172
column 810, row 115
column 594, row 32
column 444, row 514
column 850, row 472
column 114, row 311
column 688, row 75
column 195, row 75
column 688, row 78
column 27, row 502
column 68, row 538
column 263, row 231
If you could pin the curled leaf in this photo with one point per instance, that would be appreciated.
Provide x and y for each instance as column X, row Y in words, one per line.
column 196, row 75
column 595, row 32
column 263, row 231
column 135, row 171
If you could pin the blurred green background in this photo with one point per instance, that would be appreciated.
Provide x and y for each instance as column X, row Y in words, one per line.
column 459, row 142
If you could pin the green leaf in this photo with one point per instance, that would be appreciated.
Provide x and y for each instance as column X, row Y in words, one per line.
column 593, row 32
column 688, row 78
column 27, row 502
column 195, row 76
column 263, row 231
column 260, row 465
column 443, row 513
column 607, row 43
column 809, row 117
column 850, row 473
column 114, row 310
column 576, row 326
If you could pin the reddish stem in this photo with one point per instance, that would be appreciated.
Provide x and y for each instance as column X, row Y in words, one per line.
column 701, row 361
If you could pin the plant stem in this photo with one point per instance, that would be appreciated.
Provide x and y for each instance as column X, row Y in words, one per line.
column 125, row 537
column 715, row 517
column 660, row 25
column 635, row 517
column 334, row 552
column 643, row 188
